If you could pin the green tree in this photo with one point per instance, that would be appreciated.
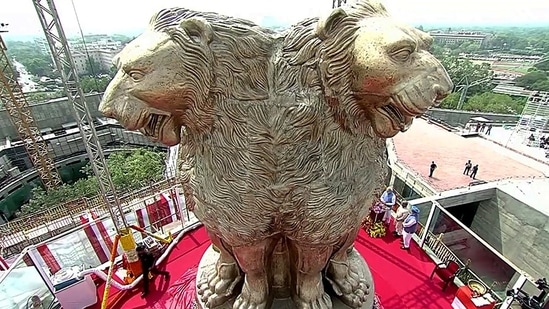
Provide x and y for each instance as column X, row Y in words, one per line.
column 129, row 171
column 93, row 67
column 494, row 103
column 461, row 69
column 534, row 80
column 31, row 56
column 451, row 101
column 98, row 84
column 34, row 97
column 542, row 65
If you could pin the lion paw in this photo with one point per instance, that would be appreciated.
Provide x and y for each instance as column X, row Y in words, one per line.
column 348, row 283
column 322, row 301
column 219, row 287
column 247, row 300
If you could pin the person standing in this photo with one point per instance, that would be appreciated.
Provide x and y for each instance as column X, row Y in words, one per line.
column 489, row 129
column 388, row 198
column 467, row 169
column 410, row 227
column 148, row 267
column 474, row 171
column 432, row 168
column 402, row 212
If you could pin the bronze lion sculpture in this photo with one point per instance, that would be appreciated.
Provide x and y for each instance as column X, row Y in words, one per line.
column 282, row 137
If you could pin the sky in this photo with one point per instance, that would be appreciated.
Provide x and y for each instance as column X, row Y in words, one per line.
column 131, row 16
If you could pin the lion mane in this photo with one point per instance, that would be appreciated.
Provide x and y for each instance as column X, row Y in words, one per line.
column 228, row 57
column 321, row 63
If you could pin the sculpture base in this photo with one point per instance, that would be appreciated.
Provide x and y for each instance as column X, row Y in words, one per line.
column 207, row 266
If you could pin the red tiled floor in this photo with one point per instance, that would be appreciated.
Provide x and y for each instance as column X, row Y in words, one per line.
column 424, row 143
column 401, row 278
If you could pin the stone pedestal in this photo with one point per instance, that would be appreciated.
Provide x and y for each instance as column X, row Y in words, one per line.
column 207, row 266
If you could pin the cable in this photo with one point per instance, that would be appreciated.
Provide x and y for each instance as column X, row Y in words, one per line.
column 85, row 46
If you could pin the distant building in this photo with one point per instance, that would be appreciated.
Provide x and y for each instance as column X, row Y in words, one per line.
column 102, row 50
column 42, row 44
column 457, row 37
column 507, row 89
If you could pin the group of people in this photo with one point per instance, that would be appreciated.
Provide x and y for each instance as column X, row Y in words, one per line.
column 470, row 169
column 483, row 128
column 406, row 217
column 543, row 141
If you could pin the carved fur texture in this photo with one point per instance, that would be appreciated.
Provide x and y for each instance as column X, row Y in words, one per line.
column 282, row 135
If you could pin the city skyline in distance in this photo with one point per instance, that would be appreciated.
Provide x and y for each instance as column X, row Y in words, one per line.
column 123, row 17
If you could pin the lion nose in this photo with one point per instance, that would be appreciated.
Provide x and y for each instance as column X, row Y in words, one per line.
column 106, row 109
column 441, row 92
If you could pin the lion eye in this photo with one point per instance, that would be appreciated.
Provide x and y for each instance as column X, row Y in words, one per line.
column 136, row 75
column 402, row 54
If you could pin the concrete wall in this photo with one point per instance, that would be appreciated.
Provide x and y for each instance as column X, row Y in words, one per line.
column 517, row 231
column 51, row 114
column 454, row 198
column 456, row 118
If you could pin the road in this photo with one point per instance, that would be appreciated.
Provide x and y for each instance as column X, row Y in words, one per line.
column 25, row 79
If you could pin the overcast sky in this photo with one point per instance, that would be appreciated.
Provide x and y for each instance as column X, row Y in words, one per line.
column 130, row 16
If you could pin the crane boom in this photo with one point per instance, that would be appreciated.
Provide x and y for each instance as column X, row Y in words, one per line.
column 64, row 62
column 15, row 103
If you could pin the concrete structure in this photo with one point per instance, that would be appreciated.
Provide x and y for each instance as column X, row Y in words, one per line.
column 535, row 115
column 459, row 118
column 49, row 116
column 505, row 209
column 508, row 89
column 476, row 37
column 102, row 56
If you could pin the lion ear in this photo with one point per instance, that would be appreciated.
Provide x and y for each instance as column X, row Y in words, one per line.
column 198, row 29
column 326, row 26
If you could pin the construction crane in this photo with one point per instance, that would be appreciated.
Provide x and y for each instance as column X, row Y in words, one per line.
column 64, row 63
column 15, row 103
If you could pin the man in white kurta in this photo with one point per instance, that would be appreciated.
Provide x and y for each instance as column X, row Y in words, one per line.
column 402, row 212
column 410, row 227
column 388, row 198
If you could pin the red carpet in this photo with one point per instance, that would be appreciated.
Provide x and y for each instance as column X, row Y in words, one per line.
column 401, row 278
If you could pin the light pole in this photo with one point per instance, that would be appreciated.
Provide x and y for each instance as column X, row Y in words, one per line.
column 465, row 88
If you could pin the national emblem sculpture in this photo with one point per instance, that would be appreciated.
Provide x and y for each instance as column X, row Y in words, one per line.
column 282, row 139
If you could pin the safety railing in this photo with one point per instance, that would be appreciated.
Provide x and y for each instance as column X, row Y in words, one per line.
column 444, row 238
column 32, row 229
column 81, row 246
column 434, row 246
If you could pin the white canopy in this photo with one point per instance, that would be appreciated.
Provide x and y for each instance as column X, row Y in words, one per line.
column 480, row 119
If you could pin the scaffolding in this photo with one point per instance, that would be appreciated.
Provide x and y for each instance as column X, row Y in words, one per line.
column 535, row 115
column 64, row 63
column 15, row 103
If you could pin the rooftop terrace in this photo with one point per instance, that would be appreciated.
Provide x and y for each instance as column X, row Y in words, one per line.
column 426, row 142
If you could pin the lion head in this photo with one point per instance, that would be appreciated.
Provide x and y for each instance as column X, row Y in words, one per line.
column 376, row 73
column 170, row 76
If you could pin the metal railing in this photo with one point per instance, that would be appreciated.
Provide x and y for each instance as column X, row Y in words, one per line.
column 32, row 229
column 439, row 252
column 443, row 254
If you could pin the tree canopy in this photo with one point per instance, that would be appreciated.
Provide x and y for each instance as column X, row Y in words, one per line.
column 129, row 171
column 534, row 80
column 30, row 55
column 97, row 84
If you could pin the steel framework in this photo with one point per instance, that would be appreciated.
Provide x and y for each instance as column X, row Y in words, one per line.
column 64, row 62
column 15, row 103
column 535, row 115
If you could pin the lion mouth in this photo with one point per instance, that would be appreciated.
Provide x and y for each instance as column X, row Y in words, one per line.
column 161, row 128
column 394, row 113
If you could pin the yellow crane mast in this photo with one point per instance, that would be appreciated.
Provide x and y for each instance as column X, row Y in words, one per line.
column 15, row 103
